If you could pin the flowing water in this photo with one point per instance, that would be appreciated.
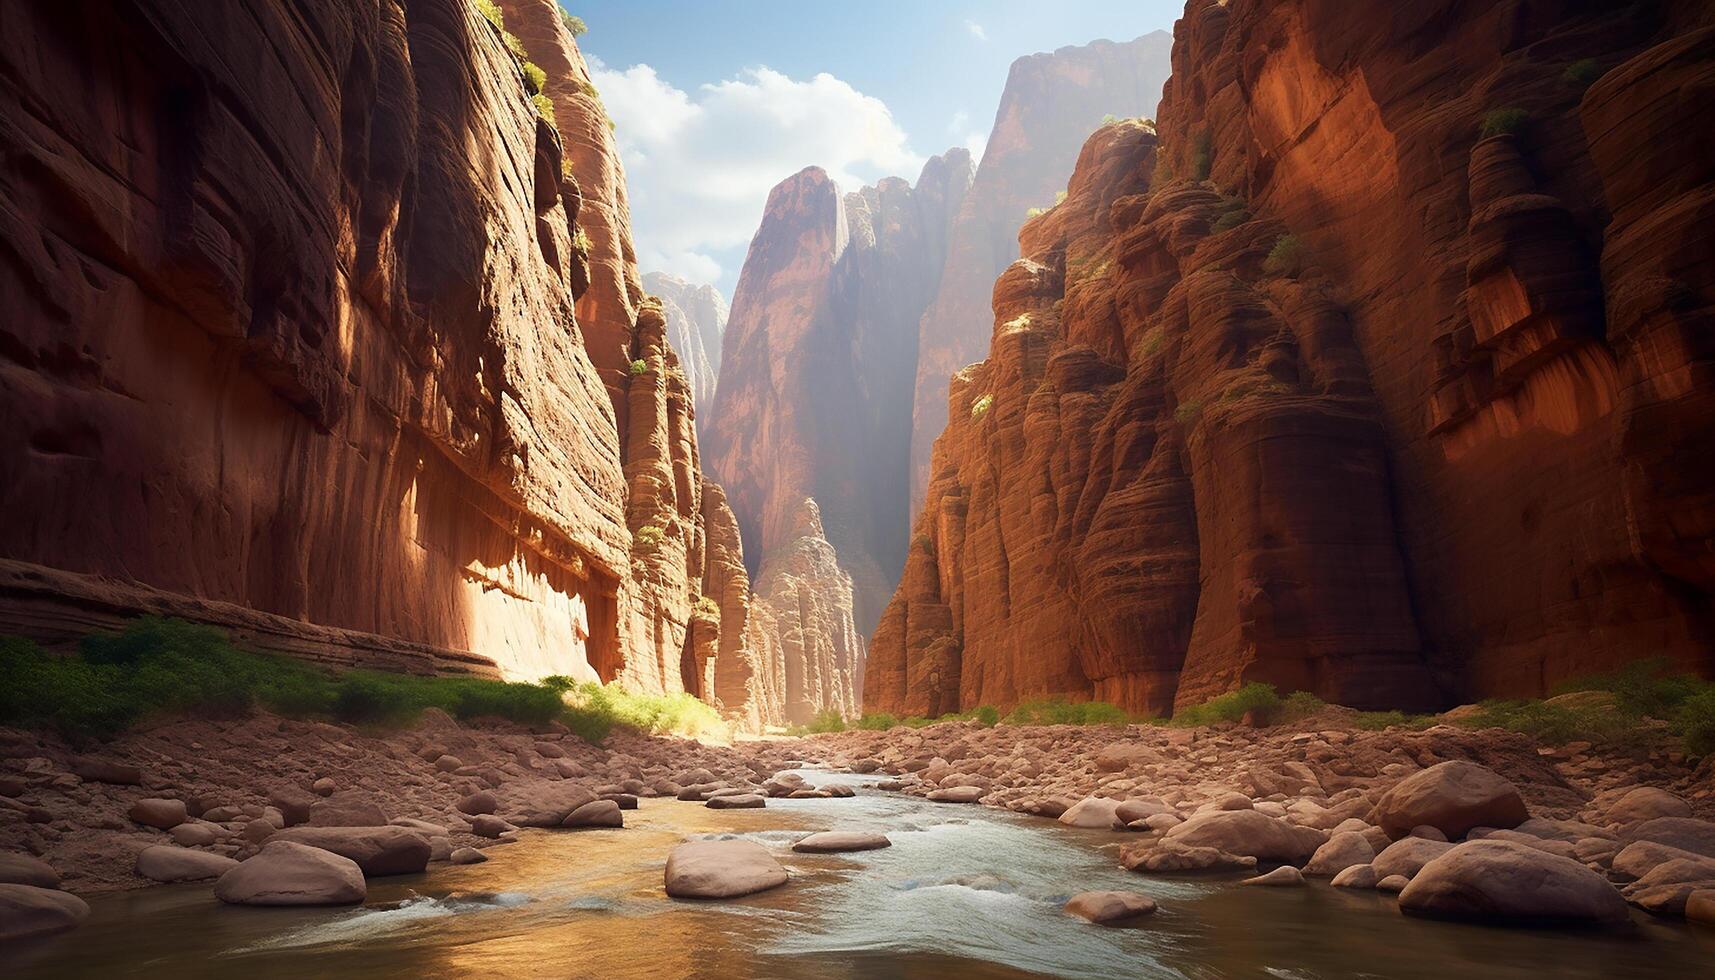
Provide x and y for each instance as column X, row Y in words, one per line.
column 964, row 891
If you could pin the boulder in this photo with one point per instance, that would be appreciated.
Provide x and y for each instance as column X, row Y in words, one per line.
column 1171, row 857
column 1639, row 858
column 1452, row 797
column 294, row 805
column 376, row 850
column 1133, row 811
column 1392, row 884
column 1107, row 907
column 159, row 813
column 1685, row 833
column 347, row 809
column 26, row 910
column 490, row 826
column 1406, row 856
column 287, row 873
column 1356, row 876
column 1092, row 812
column 478, row 803
column 1508, row 883
column 1284, row 876
column 1248, row 832
column 1342, row 851
column 835, row 841
column 958, row 794
column 1700, row 906
column 22, row 869
column 467, row 855
column 598, row 813
column 737, row 801
column 543, row 803
column 197, row 833
column 721, row 869
column 165, row 863
column 1647, row 803
column 103, row 771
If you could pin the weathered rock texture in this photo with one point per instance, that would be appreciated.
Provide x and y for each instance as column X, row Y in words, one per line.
column 1454, row 436
column 696, row 320
column 289, row 342
column 816, row 378
column 1050, row 104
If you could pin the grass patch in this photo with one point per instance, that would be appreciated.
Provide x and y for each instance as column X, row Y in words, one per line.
column 1255, row 696
column 1375, row 721
column 877, row 721
column 1500, row 121
column 1058, row 711
column 160, row 668
column 592, row 710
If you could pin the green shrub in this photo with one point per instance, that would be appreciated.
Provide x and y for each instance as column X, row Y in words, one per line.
column 1253, row 697
column 1035, row 212
column 1375, row 721
column 1230, row 220
column 1058, row 711
column 491, row 10
column 707, row 606
column 1299, row 705
column 1187, row 412
column 1695, row 722
column 1203, row 156
column 826, row 721
column 649, row 535
column 1582, row 72
column 581, row 240
column 1287, row 257
column 573, row 23
column 1546, row 722
column 980, row 407
column 535, row 79
column 1500, row 121
column 544, row 108
column 879, row 721
column 1650, row 687
column 987, row 714
column 639, row 366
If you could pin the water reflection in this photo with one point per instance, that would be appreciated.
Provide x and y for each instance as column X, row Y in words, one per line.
column 963, row 891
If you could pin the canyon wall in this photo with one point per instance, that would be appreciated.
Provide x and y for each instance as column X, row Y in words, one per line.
column 1051, row 103
column 1383, row 373
column 814, row 401
column 318, row 327
column 696, row 321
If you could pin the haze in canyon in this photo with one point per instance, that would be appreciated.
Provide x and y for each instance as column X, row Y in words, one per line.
column 967, row 476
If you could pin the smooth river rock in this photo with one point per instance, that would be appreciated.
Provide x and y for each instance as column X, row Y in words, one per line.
column 26, row 910
column 1453, row 797
column 165, row 863
column 376, row 850
column 287, row 873
column 721, row 869
column 835, row 841
column 1506, row 883
column 1107, row 907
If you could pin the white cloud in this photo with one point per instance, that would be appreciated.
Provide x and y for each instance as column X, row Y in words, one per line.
column 700, row 165
column 976, row 30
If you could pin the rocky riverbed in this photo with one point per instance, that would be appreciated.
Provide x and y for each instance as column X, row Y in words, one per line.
column 1483, row 825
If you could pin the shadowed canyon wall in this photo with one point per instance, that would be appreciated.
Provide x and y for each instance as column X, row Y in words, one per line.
column 815, row 388
column 315, row 330
column 1349, row 382
column 1051, row 102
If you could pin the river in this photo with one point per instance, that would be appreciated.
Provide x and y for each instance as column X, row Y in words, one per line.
column 964, row 891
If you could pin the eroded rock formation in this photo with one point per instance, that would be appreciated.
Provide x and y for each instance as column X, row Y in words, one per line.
column 1330, row 388
column 1050, row 104
column 816, row 380
column 316, row 330
column 696, row 321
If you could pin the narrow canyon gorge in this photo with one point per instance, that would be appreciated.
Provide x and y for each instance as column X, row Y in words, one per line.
column 608, row 489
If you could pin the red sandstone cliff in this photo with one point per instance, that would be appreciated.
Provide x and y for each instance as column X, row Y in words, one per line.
column 1050, row 104
column 814, row 400
column 1383, row 405
column 310, row 311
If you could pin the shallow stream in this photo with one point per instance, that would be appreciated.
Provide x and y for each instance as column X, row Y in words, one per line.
column 965, row 891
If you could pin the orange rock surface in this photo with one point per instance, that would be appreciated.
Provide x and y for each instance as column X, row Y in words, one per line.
column 1329, row 387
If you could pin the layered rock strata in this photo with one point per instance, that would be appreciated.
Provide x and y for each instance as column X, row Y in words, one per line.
column 1340, row 384
column 696, row 321
column 1051, row 103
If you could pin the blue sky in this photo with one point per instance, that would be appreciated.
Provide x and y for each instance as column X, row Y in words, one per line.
column 717, row 102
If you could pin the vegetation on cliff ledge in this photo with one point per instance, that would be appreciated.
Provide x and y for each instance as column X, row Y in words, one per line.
column 159, row 668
